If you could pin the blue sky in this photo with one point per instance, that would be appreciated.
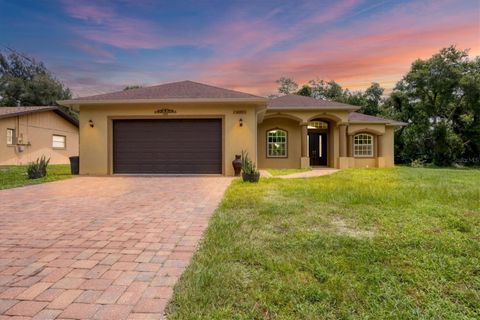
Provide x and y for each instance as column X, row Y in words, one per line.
column 101, row 46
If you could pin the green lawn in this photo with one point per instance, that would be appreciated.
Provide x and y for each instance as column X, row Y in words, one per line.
column 16, row 176
column 283, row 172
column 399, row 243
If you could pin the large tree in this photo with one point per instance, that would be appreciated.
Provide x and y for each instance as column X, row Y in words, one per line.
column 440, row 99
column 27, row 82
column 370, row 100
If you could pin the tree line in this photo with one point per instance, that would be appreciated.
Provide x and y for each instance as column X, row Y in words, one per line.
column 438, row 97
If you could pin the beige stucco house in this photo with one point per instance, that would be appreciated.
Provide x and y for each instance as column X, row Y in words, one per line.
column 192, row 128
column 28, row 133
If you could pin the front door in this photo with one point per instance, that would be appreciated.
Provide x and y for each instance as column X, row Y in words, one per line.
column 317, row 148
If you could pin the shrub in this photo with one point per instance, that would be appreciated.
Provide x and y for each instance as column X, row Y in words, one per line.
column 249, row 169
column 417, row 163
column 38, row 169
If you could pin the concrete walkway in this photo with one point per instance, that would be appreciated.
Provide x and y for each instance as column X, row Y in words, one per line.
column 100, row 248
column 315, row 172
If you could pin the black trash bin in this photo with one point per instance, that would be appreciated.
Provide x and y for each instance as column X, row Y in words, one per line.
column 75, row 165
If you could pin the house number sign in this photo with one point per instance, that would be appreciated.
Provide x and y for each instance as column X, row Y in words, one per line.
column 165, row 111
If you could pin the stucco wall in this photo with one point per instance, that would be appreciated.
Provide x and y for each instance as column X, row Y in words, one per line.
column 293, row 144
column 387, row 144
column 291, row 120
column 388, row 147
column 37, row 130
column 96, row 142
column 292, row 125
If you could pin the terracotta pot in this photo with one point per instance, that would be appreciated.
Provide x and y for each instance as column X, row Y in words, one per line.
column 251, row 177
column 237, row 165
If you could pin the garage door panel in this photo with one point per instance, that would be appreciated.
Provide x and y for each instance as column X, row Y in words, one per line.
column 167, row 146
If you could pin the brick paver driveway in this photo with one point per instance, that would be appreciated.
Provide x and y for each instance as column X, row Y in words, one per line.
column 101, row 248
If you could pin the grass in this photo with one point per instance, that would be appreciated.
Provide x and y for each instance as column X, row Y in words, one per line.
column 16, row 176
column 398, row 243
column 283, row 172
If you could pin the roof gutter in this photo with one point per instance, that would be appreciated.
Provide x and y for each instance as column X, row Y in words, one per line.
column 314, row 108
column 393, row 124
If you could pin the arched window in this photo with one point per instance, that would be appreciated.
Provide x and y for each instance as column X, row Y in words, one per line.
column 276, row 143
column 316, row 124
column 363, row 145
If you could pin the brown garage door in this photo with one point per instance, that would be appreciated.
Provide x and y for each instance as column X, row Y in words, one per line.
column 185, row 146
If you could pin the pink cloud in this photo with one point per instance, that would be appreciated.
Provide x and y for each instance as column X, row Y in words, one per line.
column 99, row 54
column 88, row 12
column 103, row 25
column 334, row 12
column 242, row 34
column 378, row 50
column 246, row 52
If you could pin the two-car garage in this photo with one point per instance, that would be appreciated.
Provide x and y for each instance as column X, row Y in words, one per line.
column 167, row 146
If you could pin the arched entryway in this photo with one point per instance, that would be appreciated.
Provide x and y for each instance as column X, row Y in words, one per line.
column 319, row 142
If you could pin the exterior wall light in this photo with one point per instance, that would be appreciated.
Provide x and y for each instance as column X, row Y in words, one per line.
column 240, row 122
column 90, row 122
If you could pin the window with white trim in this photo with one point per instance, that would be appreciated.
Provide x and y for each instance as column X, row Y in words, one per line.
column 363, row 145
column 277, row 143
column 58, row 141
column 10, row 136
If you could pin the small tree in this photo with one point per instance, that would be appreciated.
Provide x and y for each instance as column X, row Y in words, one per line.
column 131, row 87
column 306, row 91
column 287, row 85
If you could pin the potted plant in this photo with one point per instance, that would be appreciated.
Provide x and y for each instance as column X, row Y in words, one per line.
column 249, row 170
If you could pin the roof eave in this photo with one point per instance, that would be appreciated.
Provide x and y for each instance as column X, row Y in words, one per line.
column 58, row 111
column 66, row 116
column 15, row 114
column 313, row 108
column 397, row 124
column 73, row 102
column 390, row 124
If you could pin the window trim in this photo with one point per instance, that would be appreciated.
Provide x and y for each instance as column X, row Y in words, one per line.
column 267, row 144
column 64, row 142
column 12, row 143
column 372, row 154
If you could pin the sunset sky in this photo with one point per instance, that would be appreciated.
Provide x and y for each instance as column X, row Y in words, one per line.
column 101, row 46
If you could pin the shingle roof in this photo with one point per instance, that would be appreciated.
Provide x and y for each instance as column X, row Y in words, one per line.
column 8, row 112
column 293, row 101
column 173, row 90
column 355, row 117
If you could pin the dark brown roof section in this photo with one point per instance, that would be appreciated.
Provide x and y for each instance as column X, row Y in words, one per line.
column 293, row 101
column 8, row 112
column 174, row 90
column 356, row 117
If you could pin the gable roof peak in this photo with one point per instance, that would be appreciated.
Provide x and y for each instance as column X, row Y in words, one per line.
column 8, row 112
column 185, row 89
